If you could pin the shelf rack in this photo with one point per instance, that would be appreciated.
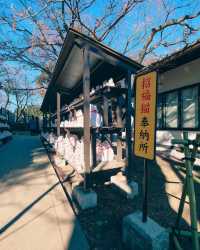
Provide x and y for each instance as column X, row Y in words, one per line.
column 97, row 97
column 83, row 65
column 5, row 133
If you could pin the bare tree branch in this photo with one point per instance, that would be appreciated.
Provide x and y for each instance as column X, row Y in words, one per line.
column 155, row 30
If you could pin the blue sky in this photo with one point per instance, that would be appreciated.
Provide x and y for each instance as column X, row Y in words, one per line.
column 143, row 18
column 151, row 12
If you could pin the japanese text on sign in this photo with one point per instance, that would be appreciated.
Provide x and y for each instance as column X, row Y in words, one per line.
column 145, row 116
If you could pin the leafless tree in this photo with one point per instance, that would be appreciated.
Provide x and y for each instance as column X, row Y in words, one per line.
column 41, row 28
column 15, row 85
column 179, row 26
column 37, row 29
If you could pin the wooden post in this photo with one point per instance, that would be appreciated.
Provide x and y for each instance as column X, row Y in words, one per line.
column 94, row 155
column 119, row 136
column 58, row 114
column 129, row 149
column 105, row 111
column 86, row 111
column 46, row 121
column 119, row 116
column 43, row 122
column 49, row 117
column 145, row 192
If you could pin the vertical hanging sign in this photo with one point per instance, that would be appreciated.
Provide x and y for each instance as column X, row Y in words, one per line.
column 145, row 115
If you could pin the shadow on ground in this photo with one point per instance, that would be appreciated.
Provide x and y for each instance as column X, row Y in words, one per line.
column 23, row 173
column 103, row 224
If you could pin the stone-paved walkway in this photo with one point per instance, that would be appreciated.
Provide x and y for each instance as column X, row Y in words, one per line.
column 34, row 211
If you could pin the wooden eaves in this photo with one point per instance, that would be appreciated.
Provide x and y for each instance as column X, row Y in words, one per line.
column 67, row 77
column 183, row 56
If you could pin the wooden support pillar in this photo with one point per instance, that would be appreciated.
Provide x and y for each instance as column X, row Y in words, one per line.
column 49, row 117
column 58, row 114
column 119, row 147
column 49, row 120
column 94, row 154
column 86, row 111
column 129, row 150
column 119, row 136
column 46, row 121
column 43, row 121
column 119, row 114
column 105, row 111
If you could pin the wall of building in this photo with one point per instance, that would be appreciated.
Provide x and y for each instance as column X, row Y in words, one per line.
column 165, row 149
column 181, row 76
column 164, row 137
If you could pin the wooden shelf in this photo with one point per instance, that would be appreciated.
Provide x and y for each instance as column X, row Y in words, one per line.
column 4, row 129
column 95, row 98
column 102, row 130
column 3, row 119
column 108, row 130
